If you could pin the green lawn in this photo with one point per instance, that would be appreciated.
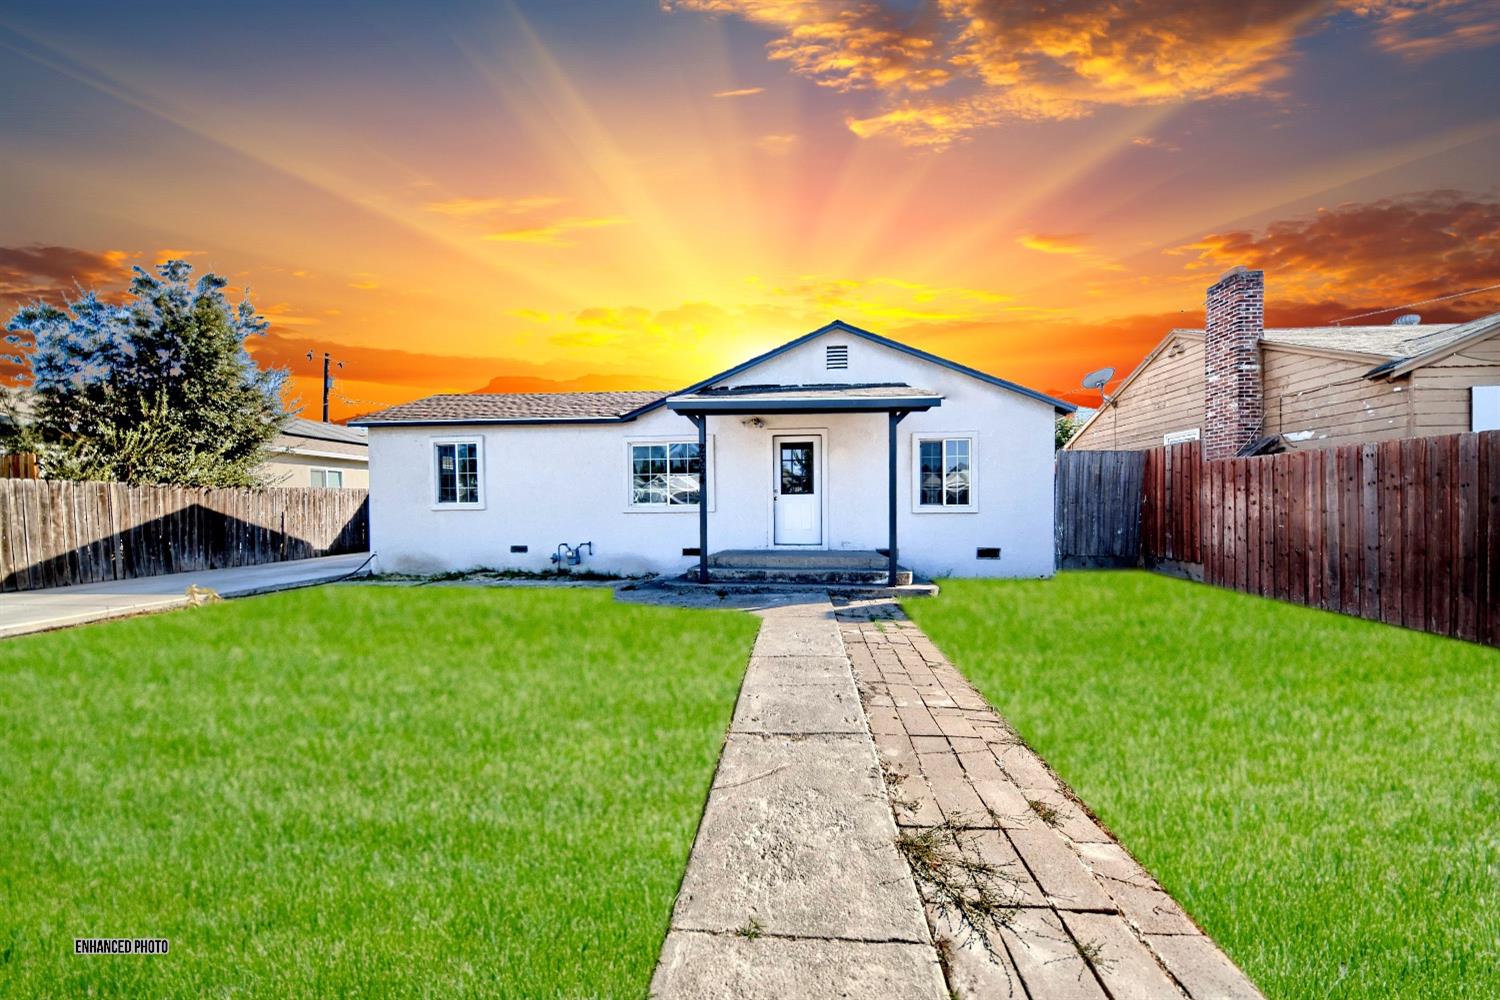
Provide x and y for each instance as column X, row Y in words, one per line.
column 1321, row 793
column 359, row 791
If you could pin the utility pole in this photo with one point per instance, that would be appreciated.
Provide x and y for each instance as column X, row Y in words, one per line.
column 327, row 381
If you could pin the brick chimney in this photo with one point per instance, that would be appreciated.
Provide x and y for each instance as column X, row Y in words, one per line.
column 1233, row 403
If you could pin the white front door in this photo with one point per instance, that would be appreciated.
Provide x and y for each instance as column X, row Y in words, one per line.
column 797, row 491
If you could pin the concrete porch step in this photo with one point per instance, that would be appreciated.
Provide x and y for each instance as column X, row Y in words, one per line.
column 806, row 575
column 799, row 559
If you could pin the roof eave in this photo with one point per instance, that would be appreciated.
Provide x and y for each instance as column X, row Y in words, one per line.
column 741, row 405
column 490, row 421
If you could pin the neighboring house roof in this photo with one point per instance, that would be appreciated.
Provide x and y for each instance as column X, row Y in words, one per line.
column 612, row 407
column 514, row 407
column 1378, row 341
column 319, row 431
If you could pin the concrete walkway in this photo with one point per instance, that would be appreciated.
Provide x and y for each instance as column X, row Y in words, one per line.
column 56, row 607
column 796, row 886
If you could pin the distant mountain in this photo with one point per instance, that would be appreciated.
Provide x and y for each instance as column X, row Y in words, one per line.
column 583, row 383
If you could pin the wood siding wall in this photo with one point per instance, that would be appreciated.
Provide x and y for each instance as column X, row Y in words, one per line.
column 1406, row 532
column 1440, row 391
column 54, row 534
column 1098, row 500
column 1167, row 396
column 1319, row 401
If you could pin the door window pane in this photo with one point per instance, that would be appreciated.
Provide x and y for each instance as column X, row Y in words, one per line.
column 796, row 469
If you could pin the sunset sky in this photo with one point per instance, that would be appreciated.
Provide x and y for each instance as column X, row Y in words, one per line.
column 565, row 195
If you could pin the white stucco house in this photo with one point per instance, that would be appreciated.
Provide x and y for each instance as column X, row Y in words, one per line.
column 840, row 445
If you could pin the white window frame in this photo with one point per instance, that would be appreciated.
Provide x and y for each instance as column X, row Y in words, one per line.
column 326, row 469
column 631, row 507
column 917, row 507
column 432, row 471
column 1484, row 407
column 1181, row 437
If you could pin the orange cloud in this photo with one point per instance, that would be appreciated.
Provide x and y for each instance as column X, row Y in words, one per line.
column 1419, row 29
column 776, row 143
column 466, row 207
column 54, row 273
column 1372, row 254
column 554, row 233
column 845, row 47
column 741, row 92
column 1064, row 244
column 1061, row 60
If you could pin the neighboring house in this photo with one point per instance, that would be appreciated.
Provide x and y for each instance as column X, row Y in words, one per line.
column 308, row 453
column 839, row 440
column 1243, row 389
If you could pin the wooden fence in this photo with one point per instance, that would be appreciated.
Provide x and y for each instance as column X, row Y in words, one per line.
column 19, row 465
column 1098, row 506
column 58, row 533
column 1406, row 532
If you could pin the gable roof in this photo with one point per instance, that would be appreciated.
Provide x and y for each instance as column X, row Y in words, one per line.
column 319, row 431
column 515, row 408
column 1135, row 373
column 614, row 407
column 839, row 325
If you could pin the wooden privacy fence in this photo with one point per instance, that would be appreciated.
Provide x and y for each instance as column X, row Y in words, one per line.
column 19, row 465
column 1098, row 506
column 1406, row 532
column 57, row 533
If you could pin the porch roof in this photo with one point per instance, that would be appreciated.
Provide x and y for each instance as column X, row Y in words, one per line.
column 873, row 397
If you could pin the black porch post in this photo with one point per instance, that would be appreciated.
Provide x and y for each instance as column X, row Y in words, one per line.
column 895, row 418
column 702, row 421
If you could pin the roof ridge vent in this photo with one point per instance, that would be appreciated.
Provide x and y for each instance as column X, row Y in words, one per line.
column 1407, row 319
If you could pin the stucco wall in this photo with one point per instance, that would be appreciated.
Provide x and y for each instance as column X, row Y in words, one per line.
column 546, row 485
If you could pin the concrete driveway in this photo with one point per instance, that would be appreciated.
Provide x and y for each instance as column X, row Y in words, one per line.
column 56, row 607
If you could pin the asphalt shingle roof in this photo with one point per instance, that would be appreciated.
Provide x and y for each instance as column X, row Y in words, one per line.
column 319, row 431
column 468, row 408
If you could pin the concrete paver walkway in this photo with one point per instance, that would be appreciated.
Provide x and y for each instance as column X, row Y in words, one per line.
column 56, row 607
column 1087, row 920
column 852, row 731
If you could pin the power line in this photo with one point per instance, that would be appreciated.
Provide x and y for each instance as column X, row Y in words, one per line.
column 1409, row 305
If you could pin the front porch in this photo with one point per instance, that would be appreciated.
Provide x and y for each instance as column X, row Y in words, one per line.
column 868, row 567
column 796, row 493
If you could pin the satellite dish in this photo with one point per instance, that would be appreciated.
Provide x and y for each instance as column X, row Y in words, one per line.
column 1409, row 319
column 1098, row 379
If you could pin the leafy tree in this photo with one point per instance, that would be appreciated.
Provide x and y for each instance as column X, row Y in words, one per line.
column 158, row 390
column 1066, row 428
